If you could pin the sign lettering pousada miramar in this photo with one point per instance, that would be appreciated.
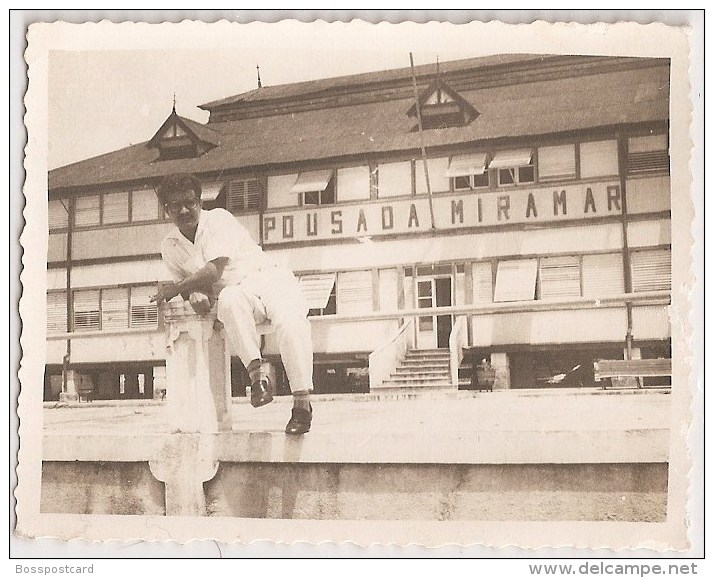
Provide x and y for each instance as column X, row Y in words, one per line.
column 454, row 211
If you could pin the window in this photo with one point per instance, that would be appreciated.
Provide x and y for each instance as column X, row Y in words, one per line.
column 598, row 159
column 651, row 270
column 115, row 208
column 559, row 277
column 468, row 171
column 115, row 308
column 646, row 154
column 354, row 292
column 56, row 312
column 319, row 292
column 86, row 310
column 144, row 206
column 57, row 214
column 143, row 313
column 315, row 188
column 354, row 183
column 482, row 274
column 86, row 211
column 514, row 167
column 244, row 195
column 441, row 107
column 556, row 162
column 394, row 179
column 516, row 280
column 603, row 275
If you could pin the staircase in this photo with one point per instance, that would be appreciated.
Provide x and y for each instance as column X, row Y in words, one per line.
column 421, row 370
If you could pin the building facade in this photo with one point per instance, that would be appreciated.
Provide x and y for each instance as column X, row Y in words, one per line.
column 529, row 219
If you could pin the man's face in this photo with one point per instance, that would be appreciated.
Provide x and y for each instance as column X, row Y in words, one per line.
column 184, row 209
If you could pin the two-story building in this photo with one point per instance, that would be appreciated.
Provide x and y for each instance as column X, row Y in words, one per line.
column 532, row 208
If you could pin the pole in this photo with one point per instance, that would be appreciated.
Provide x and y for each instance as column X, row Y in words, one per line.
column 423, row 148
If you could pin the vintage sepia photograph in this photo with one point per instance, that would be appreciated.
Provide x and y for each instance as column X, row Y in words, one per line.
column 408, row 283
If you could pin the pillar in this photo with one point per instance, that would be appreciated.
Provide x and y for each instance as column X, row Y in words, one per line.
column 72, row 381
column 635, row 353
column 198, row 376
column 159, row 372
column 501, row 363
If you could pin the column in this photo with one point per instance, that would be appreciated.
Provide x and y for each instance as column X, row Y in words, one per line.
column 500, row 362
column 72, row 381
column 198, row 377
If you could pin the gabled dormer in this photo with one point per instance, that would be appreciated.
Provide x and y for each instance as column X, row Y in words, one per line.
column 181, row 138
column 441, row 107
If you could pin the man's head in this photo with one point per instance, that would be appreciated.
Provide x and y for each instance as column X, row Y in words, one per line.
column 180, row 194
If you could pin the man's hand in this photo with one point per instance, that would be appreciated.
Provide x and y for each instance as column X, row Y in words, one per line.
column 166, row 293
column 200, row 302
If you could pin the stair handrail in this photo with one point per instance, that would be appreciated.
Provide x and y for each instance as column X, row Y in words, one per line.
column 384, row 360
column 458, row 341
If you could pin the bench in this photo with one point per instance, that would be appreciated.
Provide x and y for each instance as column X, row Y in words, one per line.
column 607, row 369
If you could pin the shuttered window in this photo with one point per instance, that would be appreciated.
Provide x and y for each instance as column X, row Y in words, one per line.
column 353, row 183
column 482, row 282
column 243, row 195
column 144, row 206
column 603, row 275
column 516, row 280
column 319, row 292
column 556, row 162
column 394, row 179
column 354, row 292
column 86, row 211
column 115, row 208
column 57, row 215
column 559, row 277
column 648, row 154
column 86, row 310
column 56, row 312
column 115, row 308
column 143, row 313
column 598, row 159
column 651, row 270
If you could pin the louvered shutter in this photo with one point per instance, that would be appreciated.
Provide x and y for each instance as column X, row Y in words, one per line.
column 559, row 277
column 651, row 270
column 603, row 275
column 86, row 310
column 482, row 282
column 243, row 195
column 144, row 206
column 57, row 215
column 648, row 154
column 556, row 162
column 354, row 292
column 316, row 289
column 86, row 211
column 115, row 308
column 57, row 312
column 516, row 280
column 143, row 312
column 115, row 208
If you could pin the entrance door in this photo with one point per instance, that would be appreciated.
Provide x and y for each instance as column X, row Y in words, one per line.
column 433, row 330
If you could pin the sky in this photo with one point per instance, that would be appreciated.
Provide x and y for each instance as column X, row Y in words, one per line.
column 103, row 100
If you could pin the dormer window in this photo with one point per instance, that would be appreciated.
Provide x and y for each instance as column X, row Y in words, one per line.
column 182, row 138
column 442, row 107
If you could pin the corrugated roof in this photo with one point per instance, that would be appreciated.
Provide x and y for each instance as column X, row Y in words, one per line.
column 520, row 110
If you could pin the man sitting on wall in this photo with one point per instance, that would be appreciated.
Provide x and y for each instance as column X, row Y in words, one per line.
column 211, row 254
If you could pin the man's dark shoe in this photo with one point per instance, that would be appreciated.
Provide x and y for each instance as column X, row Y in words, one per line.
column 299, row 421
column 261, row 391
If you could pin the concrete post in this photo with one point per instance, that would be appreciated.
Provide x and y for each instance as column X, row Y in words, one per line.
column 159, row 382
column 198, row 373
column 500, row 362
column 71, row 393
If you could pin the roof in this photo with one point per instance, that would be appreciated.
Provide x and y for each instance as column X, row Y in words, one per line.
column 575, row 103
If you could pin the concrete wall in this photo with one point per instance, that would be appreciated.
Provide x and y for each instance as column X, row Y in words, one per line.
column 608, row 492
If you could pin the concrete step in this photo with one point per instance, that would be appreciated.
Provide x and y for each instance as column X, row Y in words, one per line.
column 418, row 382
column 403, row 372
column 427, row 357
column 421, row 368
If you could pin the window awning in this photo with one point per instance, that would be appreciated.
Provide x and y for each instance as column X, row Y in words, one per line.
column 210, row 191
column 464, row 165
column 516, row 280
column 312, row 181
column 316, row 289
column 508, row 159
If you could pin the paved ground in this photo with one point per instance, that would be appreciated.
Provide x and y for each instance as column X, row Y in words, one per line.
column 554, row 426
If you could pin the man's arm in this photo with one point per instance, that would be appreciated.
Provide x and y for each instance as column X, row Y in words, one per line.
column 202, row 280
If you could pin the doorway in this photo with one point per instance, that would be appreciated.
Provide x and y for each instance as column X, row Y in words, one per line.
column 433, row 331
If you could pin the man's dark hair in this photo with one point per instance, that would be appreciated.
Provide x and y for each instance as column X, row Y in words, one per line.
column 178, row 182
